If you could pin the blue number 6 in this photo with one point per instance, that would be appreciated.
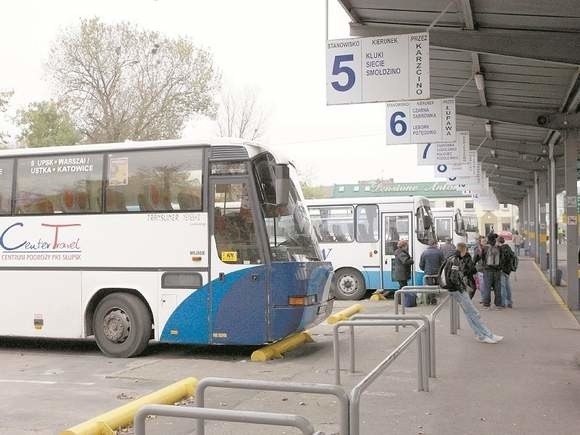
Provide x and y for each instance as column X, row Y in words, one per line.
column 398, row 126
column 337, row 69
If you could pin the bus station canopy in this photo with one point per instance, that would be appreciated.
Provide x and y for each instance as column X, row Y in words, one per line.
column 513, row 66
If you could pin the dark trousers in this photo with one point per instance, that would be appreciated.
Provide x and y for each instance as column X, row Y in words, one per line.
column 431, row 280
column 492, row 282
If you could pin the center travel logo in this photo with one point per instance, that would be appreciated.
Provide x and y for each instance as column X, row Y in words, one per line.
column 57, row 238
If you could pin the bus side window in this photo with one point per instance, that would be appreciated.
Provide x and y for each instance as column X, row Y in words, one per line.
column 6, row 166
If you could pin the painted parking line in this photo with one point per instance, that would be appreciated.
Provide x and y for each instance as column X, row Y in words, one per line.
column 27, row 381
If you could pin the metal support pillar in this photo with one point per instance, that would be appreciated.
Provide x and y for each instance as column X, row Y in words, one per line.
column 524, row 222
column 536, row 215
column 571, row 144
column 531, row 234
column 543, row 186
column 553, row 218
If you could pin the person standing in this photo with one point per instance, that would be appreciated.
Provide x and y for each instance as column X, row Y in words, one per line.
column 479, row 266
column 459, row 269
column 401, row 272
column 491, row 273
column 507, row 261
column 430, row 263
column 448, row 248
column 518, row 241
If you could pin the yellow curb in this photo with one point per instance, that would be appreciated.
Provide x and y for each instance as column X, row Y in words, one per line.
column 376, row 297
column 555, row 294
column 344, row 314
column 107, row 423
column 278, row 349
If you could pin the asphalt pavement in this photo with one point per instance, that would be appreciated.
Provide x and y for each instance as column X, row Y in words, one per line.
column 527, row 384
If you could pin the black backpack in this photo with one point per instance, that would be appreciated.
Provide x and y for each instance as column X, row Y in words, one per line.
column 450, row 274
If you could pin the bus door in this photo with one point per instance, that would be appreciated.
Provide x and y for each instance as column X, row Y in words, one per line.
column 396, row 226
column 238, row 290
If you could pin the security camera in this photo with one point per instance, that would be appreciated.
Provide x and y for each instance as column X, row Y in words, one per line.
column 542, row 120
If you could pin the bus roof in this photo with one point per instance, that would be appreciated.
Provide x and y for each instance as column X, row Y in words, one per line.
column 252, row 148
column 369, row 200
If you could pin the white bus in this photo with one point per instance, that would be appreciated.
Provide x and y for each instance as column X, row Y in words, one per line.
column 181, row 242
column 449, row 224
column 359, row 236
column 471, row 227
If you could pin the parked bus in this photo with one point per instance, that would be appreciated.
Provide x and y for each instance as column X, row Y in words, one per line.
column 449, row 224
column 471, row 227
column 180, row 242
column 359, row 236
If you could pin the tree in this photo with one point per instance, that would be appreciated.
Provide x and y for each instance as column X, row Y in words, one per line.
column 4, row 99
column 119, row 82
column 240, row 115
column 45, row 124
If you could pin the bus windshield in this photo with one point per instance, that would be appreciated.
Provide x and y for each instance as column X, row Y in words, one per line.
column 290, row 233
column 471, row 224
column 425, row 227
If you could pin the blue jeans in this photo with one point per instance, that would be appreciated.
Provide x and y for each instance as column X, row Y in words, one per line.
column 506, row 290
column 473, row 317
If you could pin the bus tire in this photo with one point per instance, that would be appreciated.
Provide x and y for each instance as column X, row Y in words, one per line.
column 122, row 325
column 348, row 284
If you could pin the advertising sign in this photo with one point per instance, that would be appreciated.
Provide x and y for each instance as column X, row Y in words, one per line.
column 427, row 121
column 384, row 68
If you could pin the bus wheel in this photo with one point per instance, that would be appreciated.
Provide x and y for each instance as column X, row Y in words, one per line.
column 349, row 285
column 122, row 325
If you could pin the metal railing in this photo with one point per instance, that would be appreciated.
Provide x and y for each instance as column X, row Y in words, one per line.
column 428, row 344
column 454, row 322
column 357, row 391
column 422, row 378
column 291, row 387
column 266, row 418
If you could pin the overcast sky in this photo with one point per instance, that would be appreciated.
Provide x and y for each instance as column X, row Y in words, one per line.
column 276, row 46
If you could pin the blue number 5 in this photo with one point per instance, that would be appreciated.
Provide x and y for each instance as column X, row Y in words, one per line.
column 337, row 69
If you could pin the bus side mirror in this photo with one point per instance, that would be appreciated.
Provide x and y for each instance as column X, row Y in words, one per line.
column 427, row 222
column 282, row 174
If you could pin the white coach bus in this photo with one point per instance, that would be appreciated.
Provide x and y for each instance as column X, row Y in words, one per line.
column 359, row 236
column 449, row 224
column 196, row 243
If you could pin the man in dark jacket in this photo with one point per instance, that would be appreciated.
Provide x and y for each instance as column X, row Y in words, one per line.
column 490, row 258
column 506, row 260
column 402, row 263
column 462, row 269
column 448, row 248
column 430, row 262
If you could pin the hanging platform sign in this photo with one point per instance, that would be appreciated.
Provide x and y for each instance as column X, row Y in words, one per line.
column 377, row 69
column 436, row 153
column 426, row 121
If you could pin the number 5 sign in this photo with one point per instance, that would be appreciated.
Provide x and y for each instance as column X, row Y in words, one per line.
column 385, row 68
column 429, row 121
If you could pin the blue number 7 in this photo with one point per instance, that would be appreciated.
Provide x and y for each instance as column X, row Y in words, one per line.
column 337, row 69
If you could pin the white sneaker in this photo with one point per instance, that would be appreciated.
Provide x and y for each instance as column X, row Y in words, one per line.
column 497, row 338
column 486, row 340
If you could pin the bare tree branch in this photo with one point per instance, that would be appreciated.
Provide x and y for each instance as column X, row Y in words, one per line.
column 241, row 115
column 119, row 82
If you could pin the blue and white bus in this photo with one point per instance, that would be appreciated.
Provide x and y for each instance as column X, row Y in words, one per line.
column 449, row 224
column 359, row 236
column 180, row 242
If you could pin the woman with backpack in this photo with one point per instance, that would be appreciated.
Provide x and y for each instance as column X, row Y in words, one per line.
column 401, row 270
column 456, row 276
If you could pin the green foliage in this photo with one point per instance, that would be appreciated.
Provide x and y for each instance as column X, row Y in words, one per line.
column 46, row 124
column 314, row 192
column 120, row 82
column 4, row 99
